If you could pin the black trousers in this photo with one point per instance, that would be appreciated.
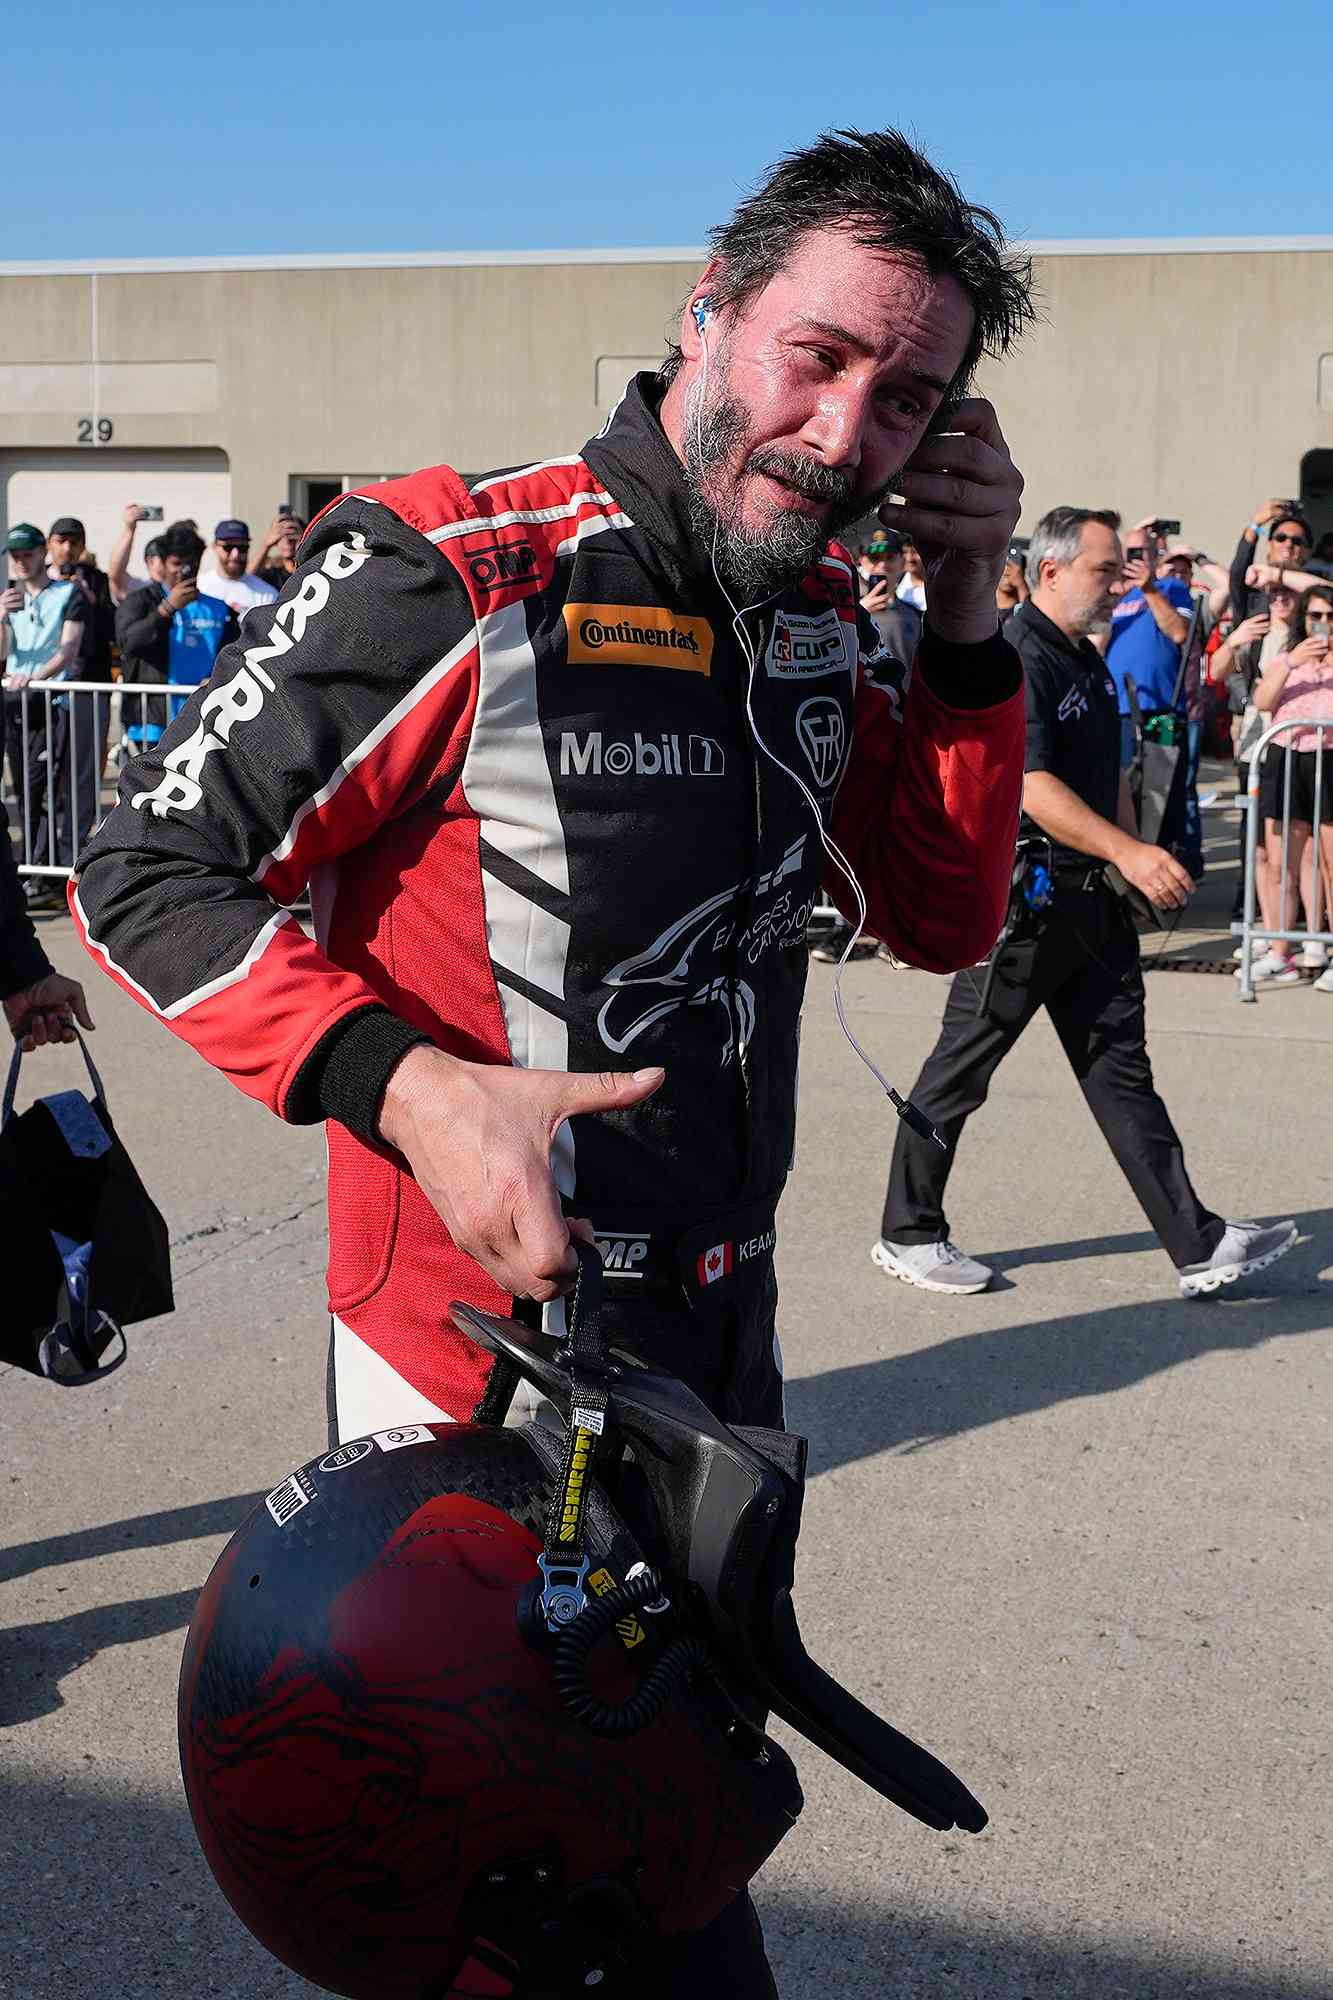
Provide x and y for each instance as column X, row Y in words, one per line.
column 65, row 775
column 1084, row 969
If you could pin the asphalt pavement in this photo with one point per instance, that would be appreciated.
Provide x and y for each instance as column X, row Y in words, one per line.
column 1073, row 1532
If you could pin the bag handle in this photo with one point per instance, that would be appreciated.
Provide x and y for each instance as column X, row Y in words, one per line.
column 12, row 1084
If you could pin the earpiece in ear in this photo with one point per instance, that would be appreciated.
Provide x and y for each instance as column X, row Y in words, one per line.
column 702, row 309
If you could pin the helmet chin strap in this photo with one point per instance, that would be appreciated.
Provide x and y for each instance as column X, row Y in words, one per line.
column 727, row 1503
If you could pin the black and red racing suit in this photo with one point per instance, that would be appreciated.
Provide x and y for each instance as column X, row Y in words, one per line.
column 499, row 727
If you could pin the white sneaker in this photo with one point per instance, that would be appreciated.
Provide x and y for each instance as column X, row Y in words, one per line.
column 1239, row 953
column 1314, row 956
column 1245, row 1247
column 1273, row 970
column 934, row 1267
column 1324, row 983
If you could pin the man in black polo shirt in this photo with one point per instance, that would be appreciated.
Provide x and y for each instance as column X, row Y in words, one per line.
column 1075, row 954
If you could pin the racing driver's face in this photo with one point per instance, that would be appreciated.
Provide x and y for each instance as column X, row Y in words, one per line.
column 809, row 399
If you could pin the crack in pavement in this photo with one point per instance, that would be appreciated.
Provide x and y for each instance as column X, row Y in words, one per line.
column 233, row 1243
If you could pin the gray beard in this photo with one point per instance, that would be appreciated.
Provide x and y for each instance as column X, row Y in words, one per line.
column 755, row 566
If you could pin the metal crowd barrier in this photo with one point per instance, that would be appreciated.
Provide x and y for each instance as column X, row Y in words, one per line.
column 1248, row 931
column 64, row 743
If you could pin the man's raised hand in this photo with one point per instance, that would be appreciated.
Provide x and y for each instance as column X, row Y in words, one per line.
column 962, row 496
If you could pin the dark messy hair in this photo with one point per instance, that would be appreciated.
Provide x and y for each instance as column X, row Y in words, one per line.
column 181, row 540
column 885, row 190
column 1291, row 519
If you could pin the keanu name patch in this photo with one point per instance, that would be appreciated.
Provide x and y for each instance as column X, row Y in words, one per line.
column 637, row 635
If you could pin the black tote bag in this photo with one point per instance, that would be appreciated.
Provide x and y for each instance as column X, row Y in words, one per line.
column 86, row 1250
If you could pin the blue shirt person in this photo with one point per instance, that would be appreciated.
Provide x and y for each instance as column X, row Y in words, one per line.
column 1139, row 647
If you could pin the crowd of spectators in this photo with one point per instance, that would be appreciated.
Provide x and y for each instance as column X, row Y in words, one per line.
column 1205, row 656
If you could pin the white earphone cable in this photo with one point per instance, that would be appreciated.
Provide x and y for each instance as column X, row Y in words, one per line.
column 904, row 1107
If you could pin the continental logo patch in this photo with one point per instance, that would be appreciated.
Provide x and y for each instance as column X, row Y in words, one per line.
column 638, row 635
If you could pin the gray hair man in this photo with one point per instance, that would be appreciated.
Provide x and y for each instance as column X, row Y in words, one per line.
column 1069, row 945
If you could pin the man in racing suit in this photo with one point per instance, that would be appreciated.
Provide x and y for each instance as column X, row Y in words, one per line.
column 533, row 743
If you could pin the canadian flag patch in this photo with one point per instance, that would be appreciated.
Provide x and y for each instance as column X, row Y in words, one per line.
column 715, row 1264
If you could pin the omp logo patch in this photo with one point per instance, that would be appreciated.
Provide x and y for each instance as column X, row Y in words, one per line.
column 1075, row 702
column 623, row 1255
column 503, row 566
column 801, row 648
column 637, row 635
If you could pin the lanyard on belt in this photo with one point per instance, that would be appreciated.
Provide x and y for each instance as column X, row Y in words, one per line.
column 564, row 1561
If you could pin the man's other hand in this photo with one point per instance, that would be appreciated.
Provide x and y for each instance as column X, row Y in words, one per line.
column 478, row 1138
column 182, row 593
column 46, row 1012
column 1156, row 874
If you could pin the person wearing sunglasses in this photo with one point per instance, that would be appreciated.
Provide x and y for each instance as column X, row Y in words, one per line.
column 232, row 580
column 1298, row 686
column 1288, row 558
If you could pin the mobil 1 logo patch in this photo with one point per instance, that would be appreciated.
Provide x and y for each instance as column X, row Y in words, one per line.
column 821, row 732
column 588, row 753
column 801, row 648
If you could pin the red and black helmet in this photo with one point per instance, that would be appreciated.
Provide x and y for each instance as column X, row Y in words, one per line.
column 389, row 1788
column 412, row 1779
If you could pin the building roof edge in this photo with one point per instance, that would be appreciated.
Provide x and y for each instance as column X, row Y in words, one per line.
column 406, row 260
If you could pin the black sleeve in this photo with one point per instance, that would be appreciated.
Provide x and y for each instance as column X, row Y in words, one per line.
column 979, row 676
column 22, row 960
column 1247, row 552
column 184, row 890
column 139, row 630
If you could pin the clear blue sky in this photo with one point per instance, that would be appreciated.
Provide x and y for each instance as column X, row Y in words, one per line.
column 249, row 128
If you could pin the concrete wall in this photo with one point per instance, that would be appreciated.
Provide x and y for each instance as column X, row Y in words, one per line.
column 1185, row 383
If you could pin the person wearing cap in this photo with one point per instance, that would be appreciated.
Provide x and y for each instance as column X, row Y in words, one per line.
column 82, row 720
column 41, row 631
column 170, row 631
column 232, row 580
column 883, row 567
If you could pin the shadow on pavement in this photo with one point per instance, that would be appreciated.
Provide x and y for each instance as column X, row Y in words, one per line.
column 917, row 1958
column 141, row 1531
column 109, row 1894
column 34, row 1659
column 908, row 1401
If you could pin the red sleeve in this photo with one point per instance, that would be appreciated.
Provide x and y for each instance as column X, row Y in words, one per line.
column 927, row 815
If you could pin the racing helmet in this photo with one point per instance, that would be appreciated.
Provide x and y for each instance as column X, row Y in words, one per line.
column 477, row 1711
